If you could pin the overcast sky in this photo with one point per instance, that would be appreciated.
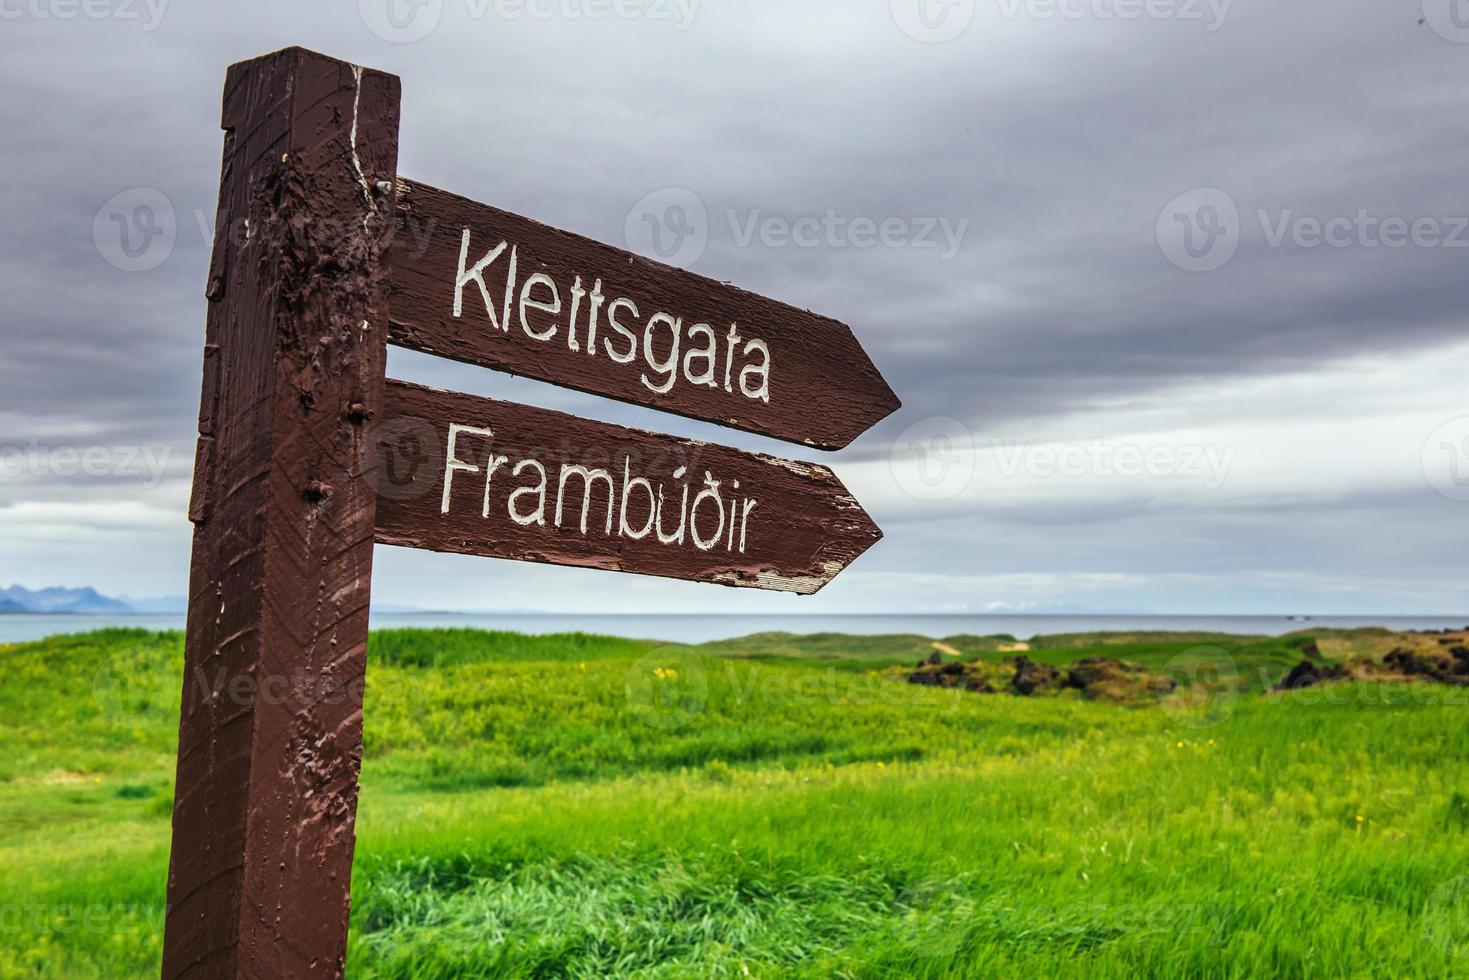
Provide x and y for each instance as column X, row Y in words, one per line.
column 1174, row 291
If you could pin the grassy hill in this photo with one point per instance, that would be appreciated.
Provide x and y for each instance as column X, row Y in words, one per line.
column 784, row 806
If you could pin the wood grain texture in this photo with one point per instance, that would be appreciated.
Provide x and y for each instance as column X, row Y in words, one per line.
column 824, row 389
column 270, row 738
column 803, row 529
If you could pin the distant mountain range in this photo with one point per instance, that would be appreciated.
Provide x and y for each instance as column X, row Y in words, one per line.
column 18, row 599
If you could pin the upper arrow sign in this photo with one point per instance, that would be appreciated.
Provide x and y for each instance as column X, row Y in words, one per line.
column 481, row 285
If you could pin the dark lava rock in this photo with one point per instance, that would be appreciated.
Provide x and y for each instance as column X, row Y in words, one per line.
column 939, row 675
column 1306, row 674
column 933, row 660
column 1443, row 667
column 978, row 685
column 1031, row 677
column 1099, row 679
column 1107, row 679
column 1085, row 672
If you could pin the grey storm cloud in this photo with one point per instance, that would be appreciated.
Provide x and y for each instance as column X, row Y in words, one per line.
column 1054, row 142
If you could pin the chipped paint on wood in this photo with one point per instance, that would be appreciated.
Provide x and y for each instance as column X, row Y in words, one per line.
column 475, row 476
column 270, row 739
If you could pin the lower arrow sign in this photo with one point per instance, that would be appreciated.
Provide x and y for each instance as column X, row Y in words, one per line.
column 458, row 473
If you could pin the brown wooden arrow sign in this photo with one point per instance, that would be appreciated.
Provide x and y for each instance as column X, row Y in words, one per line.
column 470, row 475
column 307, row 455
column 481, row 285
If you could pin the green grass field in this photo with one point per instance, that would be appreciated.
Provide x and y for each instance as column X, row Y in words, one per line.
column 780, row 806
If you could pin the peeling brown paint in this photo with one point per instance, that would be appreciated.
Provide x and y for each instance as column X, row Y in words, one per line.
column 804, row 529
column 267, row 786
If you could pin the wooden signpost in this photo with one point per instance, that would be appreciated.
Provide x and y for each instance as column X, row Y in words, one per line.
column 308, row 455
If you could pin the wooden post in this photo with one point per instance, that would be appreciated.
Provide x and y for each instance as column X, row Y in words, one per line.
column 270, row 741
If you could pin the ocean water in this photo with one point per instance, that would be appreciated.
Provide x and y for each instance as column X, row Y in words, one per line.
column 701, row 629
